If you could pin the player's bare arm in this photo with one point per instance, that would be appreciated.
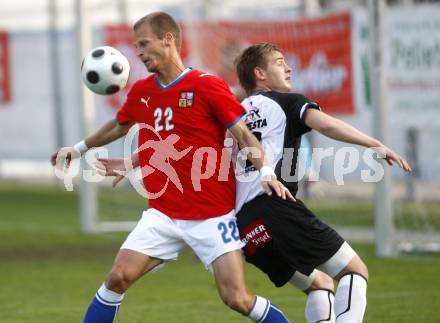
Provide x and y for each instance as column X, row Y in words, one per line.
column 246, row 139
column 342, row 131
column 108, row 133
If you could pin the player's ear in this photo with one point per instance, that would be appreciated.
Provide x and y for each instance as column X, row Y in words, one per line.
column 168, row 39
column 260, row 74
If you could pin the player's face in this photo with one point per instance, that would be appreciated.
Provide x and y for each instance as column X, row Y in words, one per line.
column 277, row 73
column 152, row 51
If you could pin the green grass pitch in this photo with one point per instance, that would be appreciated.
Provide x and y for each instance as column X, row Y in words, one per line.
column 49, row 271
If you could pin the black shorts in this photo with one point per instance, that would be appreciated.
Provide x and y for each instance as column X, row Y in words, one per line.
column 283, row 236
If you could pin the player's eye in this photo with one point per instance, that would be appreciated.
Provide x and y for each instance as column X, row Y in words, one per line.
column 141, row 44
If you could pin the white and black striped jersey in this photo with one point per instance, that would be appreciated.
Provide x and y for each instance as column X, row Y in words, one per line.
column 277, row 120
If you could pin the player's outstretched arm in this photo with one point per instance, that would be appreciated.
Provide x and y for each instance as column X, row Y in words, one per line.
column 108, row 133
column 342, row 131
column 246, row 139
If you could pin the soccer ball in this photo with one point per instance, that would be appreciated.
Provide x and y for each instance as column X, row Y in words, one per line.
column 105, row 70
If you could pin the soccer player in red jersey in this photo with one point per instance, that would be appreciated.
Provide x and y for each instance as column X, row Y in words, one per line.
column 188, row 111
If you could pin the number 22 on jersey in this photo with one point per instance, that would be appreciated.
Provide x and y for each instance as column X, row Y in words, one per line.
column 163, row 119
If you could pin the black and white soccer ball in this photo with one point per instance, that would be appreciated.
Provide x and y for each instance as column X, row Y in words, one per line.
column 105, row 70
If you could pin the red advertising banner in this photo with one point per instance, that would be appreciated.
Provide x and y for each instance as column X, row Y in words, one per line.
column 5, row 88
column 318, row 50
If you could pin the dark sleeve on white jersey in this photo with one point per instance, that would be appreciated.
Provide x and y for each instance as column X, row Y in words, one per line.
column 294, row 105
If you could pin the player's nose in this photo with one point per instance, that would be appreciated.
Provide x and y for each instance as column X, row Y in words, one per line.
column 139, row 53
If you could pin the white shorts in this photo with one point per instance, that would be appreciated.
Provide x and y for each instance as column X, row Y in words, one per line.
column 159, row 236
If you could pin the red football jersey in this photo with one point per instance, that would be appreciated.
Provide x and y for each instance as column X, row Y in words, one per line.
column 182, row 136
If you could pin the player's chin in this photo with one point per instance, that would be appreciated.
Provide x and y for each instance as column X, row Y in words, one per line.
column 151, row 67
column 287, row 87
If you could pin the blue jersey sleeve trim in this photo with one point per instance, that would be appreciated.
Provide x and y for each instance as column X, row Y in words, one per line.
column 235, row 121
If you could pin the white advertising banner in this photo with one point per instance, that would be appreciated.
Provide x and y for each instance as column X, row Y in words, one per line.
column 412, row 60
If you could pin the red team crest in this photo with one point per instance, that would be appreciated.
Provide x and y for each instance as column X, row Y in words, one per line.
column 186, row 99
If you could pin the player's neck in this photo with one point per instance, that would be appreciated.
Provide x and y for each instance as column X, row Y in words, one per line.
column 261, row 88
column 171, row 71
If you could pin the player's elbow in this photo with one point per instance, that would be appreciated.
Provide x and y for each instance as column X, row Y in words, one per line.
column 241, row 133
column 121, row 129
column 320, row 121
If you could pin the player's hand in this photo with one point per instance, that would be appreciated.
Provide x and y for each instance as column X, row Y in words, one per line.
column 112, row 167
column 63, row 157
column 270, row 183
column 391, row 157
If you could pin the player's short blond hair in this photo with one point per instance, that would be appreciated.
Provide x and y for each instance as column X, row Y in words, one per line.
column 161, row 23
column 251, row 57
